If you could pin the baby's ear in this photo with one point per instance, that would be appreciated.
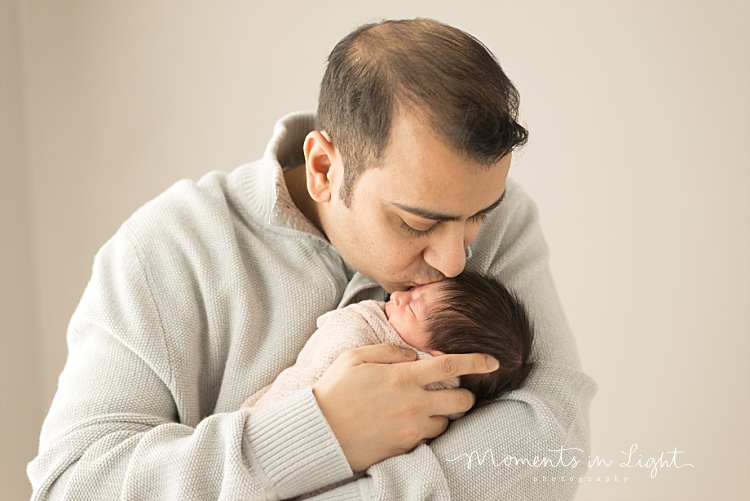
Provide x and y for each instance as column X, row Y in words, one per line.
column 435, row 353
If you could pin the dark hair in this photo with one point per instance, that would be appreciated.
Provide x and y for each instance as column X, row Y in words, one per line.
column 477, row 314
column 444, row 74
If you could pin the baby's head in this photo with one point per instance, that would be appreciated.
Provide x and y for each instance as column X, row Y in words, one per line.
column 470, row 313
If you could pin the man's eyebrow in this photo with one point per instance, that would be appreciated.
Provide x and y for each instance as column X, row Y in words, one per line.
column 438, row 216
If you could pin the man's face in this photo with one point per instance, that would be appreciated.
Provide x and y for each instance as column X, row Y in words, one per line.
column 412, row 217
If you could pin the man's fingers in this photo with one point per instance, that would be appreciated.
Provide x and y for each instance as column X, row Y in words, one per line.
column 444, row 367
column 435, row 427
column 450, row 402
column 377, row 353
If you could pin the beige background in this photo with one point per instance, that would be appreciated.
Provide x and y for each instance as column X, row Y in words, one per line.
column 640, row 118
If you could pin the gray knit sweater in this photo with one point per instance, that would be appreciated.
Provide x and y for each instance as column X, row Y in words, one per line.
column 209, row 291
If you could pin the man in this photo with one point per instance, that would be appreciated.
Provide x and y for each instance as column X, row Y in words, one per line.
column 211, row 290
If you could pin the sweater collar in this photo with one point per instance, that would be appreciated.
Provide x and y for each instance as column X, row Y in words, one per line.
column 266, row 194
column 284, row 151
column 268, row 198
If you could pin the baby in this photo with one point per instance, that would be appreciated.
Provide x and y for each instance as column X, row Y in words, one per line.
column 471, row 313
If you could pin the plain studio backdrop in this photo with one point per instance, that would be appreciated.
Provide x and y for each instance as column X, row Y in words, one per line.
column 639, row 113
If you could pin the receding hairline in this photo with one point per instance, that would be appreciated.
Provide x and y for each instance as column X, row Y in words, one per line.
column 389, row 32
column 423, row 67
column 380, row 46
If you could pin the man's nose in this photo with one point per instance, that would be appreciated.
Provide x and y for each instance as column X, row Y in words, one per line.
column 447, row 254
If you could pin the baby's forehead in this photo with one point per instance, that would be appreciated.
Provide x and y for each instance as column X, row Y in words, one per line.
column 437, row 292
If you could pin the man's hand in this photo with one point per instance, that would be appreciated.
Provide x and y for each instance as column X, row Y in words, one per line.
column 379, row 408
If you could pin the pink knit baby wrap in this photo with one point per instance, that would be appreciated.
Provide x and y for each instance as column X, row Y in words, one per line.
column 339, row 330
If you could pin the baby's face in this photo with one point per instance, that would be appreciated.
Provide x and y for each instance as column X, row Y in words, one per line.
column 407, row 312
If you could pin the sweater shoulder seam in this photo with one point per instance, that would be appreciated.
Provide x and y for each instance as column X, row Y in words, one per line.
column 152, row 297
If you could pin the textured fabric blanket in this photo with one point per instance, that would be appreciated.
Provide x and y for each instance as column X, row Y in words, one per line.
column 339, row 330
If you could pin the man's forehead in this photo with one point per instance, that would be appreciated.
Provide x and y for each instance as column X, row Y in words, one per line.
column 436, row 185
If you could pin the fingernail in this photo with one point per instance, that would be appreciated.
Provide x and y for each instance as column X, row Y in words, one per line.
column 492, row 364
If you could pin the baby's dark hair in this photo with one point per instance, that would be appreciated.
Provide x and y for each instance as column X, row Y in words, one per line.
column 477, row 314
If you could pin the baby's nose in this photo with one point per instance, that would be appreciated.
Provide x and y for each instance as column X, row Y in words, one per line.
column 398, row 297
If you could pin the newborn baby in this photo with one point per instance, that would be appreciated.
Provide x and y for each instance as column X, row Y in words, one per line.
column 471, row 313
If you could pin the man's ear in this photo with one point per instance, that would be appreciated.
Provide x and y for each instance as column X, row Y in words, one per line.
column 320, row 155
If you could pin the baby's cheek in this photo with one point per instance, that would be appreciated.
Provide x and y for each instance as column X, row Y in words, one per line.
column 420, row 339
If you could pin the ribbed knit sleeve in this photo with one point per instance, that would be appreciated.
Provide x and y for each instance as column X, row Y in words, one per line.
column 295, row 447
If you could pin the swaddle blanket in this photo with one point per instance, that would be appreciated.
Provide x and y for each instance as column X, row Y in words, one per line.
column 339, row 330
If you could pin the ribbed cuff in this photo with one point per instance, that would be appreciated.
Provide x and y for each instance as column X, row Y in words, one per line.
column 295, row 446
column 352, row 491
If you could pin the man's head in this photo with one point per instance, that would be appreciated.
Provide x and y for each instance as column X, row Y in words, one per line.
column 417, row 122
column 428, row 68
